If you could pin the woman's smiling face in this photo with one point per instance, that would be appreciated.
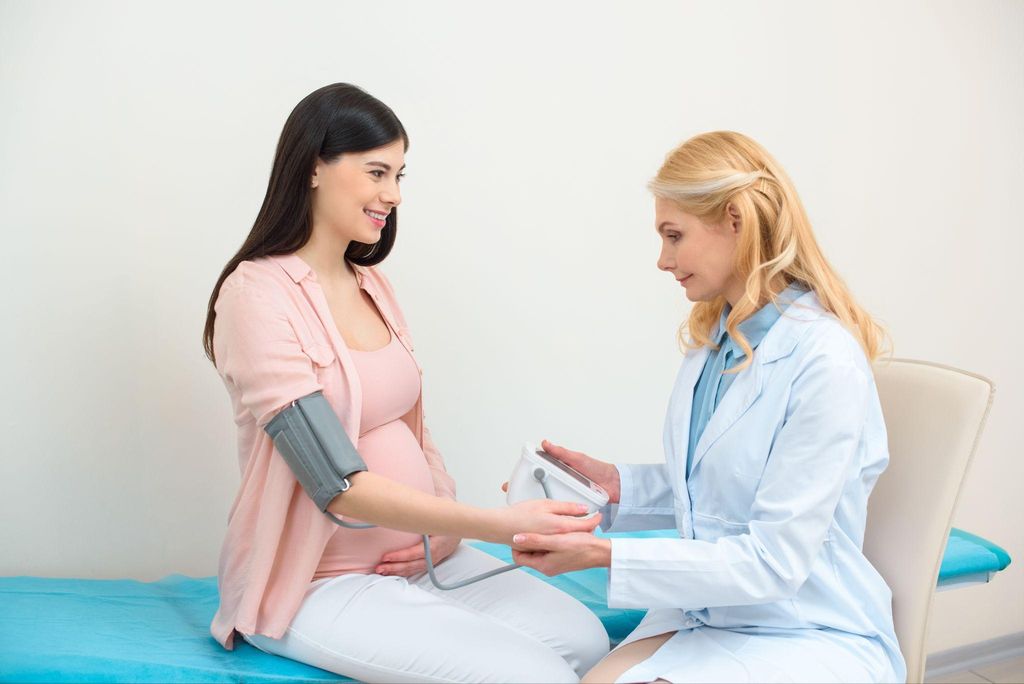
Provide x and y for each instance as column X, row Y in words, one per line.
column 699, row 255
column 353, row 195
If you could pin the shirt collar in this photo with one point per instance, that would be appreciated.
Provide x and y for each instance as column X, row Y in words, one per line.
column 757, row 325
column 294, row 266
column 297, row 268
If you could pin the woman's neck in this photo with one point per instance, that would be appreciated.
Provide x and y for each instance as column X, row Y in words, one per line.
column 327, row 260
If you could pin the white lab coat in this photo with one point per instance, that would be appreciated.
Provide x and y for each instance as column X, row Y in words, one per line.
column 767, row 581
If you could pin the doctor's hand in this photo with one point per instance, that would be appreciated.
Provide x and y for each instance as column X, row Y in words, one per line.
column 557, row 553
column 604, row 474
column 412, row 560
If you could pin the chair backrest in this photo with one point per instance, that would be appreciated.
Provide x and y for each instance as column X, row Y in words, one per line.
column 934, row 416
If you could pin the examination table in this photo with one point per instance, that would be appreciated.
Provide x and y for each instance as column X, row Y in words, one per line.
column 129, row 631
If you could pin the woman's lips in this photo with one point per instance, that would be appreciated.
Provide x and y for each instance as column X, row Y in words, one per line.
column 378, row 223
column 683, row 281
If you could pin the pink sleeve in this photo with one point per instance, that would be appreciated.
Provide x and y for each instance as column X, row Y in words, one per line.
column 258, row 351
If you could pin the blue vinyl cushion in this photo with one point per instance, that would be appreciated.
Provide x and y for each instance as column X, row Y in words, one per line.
column 968, row 554
column 130, row 631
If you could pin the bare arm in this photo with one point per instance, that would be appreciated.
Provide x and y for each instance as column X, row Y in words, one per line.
column 381, row 501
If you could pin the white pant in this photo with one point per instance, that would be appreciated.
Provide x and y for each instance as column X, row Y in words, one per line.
column 508, row 628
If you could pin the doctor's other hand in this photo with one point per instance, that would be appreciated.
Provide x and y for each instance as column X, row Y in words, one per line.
column 557, row 553
column 604, row 474
column 412, row 560
column 545, row 517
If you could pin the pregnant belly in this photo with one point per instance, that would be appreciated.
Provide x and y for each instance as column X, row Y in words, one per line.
column 390, row 451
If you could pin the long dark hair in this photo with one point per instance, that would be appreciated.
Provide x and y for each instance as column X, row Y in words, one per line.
column 327, row 123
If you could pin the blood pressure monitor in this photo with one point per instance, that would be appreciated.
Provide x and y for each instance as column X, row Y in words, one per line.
column 540, row 475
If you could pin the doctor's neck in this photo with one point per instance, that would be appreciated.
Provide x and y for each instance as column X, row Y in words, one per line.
column 734, row 290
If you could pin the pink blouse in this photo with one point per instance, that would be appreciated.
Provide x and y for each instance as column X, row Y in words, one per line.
column 275, row 341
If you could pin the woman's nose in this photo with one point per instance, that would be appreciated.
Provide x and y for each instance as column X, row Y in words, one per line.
column 392, row 196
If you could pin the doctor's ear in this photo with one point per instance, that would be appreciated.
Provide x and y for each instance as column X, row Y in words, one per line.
column 733, row 218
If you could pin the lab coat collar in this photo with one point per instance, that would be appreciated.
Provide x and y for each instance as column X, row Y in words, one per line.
column 783, row 336
column 757, row 325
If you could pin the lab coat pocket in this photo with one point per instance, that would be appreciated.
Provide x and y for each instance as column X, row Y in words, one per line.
column 707, row 527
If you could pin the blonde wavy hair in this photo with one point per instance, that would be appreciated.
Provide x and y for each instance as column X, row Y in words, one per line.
column 776, row 246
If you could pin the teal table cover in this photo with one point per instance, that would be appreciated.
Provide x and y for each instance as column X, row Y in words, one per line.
column 78, row 630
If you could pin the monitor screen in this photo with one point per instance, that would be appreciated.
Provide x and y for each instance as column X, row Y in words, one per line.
column 563, row 467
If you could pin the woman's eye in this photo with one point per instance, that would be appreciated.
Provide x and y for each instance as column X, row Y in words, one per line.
column 399, row 177
column 377, row 173
column 674, row 237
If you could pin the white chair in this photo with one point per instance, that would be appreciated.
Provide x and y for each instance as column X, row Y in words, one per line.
column 934, row 415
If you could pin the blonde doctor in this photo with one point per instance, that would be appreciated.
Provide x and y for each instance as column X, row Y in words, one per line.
column 773, row 441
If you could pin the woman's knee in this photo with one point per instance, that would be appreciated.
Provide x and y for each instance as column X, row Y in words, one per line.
column 542, row 669
column 589, row 641
column 580, row 633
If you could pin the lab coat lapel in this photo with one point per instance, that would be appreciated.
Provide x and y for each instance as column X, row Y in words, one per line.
column 744, row 391
column 778, row 343
column 677, row 429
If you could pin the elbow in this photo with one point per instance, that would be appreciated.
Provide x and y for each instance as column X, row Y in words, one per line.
column 788, row 585
column 770, row 586
column 346, row 501
column 780, row 578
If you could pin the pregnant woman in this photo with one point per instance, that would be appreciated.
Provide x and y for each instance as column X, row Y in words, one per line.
column 302, row 308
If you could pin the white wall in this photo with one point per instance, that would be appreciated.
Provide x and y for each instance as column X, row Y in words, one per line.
column 136, row 141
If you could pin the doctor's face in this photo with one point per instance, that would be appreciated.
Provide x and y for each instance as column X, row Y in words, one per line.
column 699, row 255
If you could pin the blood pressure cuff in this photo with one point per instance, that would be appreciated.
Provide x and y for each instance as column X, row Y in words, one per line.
column 312, row 441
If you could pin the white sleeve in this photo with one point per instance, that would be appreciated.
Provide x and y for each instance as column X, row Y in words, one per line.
column 645, row 500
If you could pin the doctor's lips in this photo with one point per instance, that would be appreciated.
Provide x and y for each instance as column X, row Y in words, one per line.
column 377, row 217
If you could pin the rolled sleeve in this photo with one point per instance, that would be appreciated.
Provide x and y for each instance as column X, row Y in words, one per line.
column 258, row 352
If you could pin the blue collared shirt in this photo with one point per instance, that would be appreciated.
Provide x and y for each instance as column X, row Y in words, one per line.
column 714, row 382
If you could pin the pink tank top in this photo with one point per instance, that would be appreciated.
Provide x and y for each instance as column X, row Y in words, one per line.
column 391, row 385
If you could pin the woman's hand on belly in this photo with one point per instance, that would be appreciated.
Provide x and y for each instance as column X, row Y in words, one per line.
column 412, row 560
